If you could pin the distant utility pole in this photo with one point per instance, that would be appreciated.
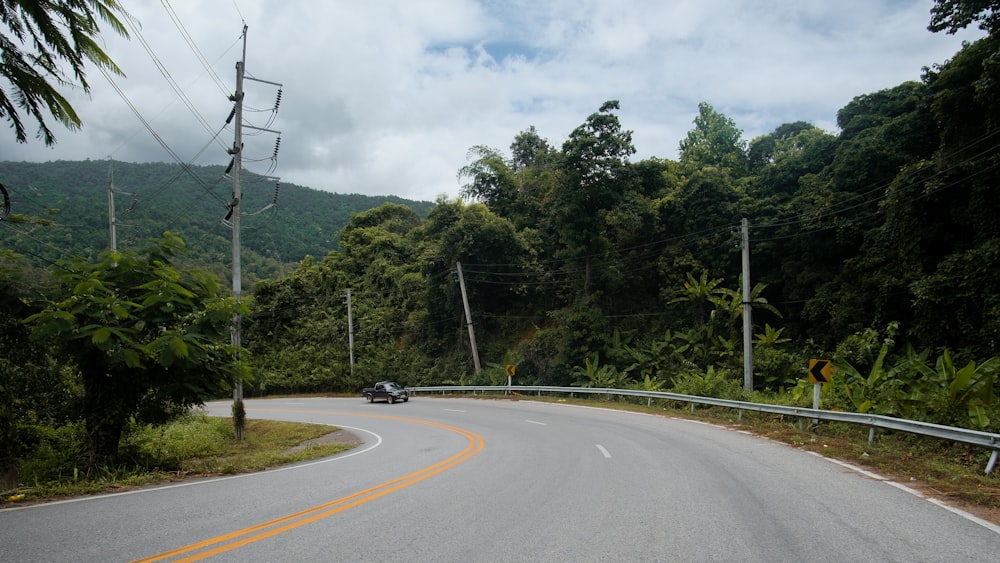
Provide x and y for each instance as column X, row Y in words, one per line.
column 113, row 239
column 747, row 309
column 350, row 331
column 468, row 317
column 234, row 212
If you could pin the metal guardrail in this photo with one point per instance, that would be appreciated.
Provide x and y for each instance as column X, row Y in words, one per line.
column 872, row 421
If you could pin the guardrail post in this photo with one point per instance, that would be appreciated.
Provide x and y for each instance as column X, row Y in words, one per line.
column 692, row 407
column 993, row 462
column 871, row 435
column 739, row 415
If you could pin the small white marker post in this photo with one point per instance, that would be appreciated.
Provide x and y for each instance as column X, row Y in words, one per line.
column 817, row 387
column 819, row 373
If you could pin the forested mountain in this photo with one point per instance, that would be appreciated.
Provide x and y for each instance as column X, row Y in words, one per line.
column 60, row 209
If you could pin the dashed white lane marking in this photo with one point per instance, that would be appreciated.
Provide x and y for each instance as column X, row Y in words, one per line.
column 603, row 451
column 454, row 410
column 529, row 421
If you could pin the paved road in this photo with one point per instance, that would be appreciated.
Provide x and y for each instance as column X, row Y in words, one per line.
column 483, row 480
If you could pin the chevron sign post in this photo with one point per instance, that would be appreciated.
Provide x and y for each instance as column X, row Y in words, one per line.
column 819, row 373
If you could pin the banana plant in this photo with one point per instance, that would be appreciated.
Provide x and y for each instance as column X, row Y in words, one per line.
column 879, row 391
column 594, row 375
column 946, row 394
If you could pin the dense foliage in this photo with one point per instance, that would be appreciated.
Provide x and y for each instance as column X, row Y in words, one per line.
column 583, row 267
column 146, row 338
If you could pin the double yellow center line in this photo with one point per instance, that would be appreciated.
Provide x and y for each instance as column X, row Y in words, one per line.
column 233, row 540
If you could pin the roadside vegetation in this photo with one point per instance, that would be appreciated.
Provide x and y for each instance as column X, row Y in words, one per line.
column 192, row 445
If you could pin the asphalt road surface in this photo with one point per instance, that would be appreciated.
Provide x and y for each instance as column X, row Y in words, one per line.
column 486, row 480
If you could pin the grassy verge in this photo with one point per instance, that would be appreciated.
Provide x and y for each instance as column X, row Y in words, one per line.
column 194, row 446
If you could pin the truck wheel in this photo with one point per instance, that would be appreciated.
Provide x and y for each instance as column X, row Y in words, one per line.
column 370, row 398
column 392, row 399
column 405, row 399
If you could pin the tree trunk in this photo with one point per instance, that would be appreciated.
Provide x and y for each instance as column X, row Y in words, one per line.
column 103, row 416
column 9, row 474
column 239, row 419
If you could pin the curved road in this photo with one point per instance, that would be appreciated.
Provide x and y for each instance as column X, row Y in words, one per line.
column 483, row 480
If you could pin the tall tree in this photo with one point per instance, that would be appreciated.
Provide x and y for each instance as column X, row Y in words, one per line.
column 714, row 141
column 491, row 179
column 529, row 149
column 149, row 340
column 596, row 176
column 41, row 35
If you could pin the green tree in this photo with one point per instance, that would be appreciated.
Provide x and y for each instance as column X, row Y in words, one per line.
column 529, row 149
column 953, row 15
column 714, row 141
column 149, row 340
column 25, row 386
column 41, row 35
column 596, row 176
column 491, row 179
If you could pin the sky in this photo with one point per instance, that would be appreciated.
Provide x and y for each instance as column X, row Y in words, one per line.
column 384, row 97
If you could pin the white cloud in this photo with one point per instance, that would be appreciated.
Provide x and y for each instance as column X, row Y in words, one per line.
column 385, row 97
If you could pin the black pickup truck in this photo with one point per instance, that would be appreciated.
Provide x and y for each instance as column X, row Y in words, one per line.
column 386, row 390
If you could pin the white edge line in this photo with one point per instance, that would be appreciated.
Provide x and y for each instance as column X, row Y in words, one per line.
column 153, row 488
column 529, row 421
column 970, row 517
column 603, row 451
column 959, row 512
column 984, row 523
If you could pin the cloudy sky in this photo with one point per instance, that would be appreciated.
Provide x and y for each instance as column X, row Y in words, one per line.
column 386, row 97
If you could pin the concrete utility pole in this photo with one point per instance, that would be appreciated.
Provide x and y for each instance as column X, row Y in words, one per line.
column 747, row 309
column 350, row 331
column 234, row 214
column 113, row 242
column 234, row 171
column 468, row 317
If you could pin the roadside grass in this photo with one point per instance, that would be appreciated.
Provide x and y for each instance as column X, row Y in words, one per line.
column 195, row 445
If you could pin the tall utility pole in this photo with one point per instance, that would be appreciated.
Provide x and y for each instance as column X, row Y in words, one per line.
column 234, row 211
column 747, row 309
column 350, row 331
column 113, row 237
column 468, row 317
column 234, row 215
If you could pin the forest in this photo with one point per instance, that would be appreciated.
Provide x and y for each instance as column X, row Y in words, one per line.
column 60, row 210
column 877, row 247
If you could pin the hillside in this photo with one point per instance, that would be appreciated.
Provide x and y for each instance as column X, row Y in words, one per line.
column 60, row 209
